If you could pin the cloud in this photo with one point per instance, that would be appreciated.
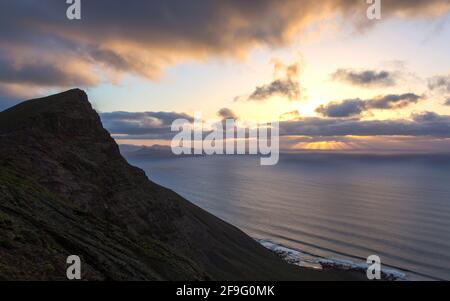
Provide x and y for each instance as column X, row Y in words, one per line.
column 355, row 107
column 424, row 124
column 156, row 125
column 144, row 37
column 290, row 115
column 226, row 113
column 345, row 108
column 286, row 86
column 12, row 94
column 152, row 124
column 441, row 82
column 41, row 73
column 364, row 78
column 393, row 101
column 429, row 117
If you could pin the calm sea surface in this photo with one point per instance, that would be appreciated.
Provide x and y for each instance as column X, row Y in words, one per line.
column 333, row 206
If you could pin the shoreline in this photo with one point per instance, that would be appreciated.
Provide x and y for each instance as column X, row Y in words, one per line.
column 358, row 269
column 319, row 263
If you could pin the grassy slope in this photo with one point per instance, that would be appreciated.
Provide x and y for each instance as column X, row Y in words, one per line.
column 38, row 230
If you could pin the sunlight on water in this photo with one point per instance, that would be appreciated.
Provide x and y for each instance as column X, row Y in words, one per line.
column 333, row 206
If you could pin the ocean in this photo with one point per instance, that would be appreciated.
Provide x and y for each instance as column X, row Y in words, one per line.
column 327, row 208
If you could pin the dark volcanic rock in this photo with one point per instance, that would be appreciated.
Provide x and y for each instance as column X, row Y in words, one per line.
column 65, row 189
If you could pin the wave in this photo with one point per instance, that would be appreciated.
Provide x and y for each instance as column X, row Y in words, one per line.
column 308, row 260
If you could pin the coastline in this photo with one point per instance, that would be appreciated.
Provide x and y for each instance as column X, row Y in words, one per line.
column 310, row 261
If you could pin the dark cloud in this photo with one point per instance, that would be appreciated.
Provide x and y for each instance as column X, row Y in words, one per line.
column 285, row 86
column 40, row 73
column 143, row 36
column 425, row 124
column 226, row 113
column 393, row 101
column 429, row 117
column 156, row 125
column 354, row 107
column 365, row 77
column 282, row 87
column 440, row 83
column 152, row 124
column 447, row 102
column 345, row 108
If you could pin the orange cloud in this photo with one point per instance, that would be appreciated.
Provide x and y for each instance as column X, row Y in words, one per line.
column 114, row 38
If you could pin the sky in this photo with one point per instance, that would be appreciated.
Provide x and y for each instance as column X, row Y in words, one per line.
column 336, row 80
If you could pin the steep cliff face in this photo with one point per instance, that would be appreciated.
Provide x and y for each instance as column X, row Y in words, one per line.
column 65, row 189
